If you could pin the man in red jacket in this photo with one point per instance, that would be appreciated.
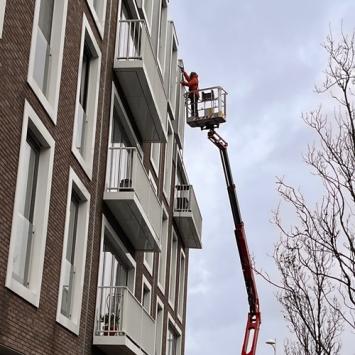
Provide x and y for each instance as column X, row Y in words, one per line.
column 192, row 83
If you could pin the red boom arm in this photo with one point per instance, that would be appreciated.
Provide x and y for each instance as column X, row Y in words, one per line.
column 254, row 319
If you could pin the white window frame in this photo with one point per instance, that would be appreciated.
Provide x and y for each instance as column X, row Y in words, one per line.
column 155, row 158
column 162, row 35
column 148, row 261
column 159, row 336
column 178, row 333
column 2, row 15
column 126, row 257
column 168, row 162
column 150, row 20
column 59, row 23
column 173, row 70
column 87, row 36
column 98, row 18
column 73, row 324
column 173, row 268
column 182, row 285
column 145, row 283
column 164, row 249
column 32, row 122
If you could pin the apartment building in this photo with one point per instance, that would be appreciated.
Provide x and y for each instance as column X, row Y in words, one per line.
column 97, row 214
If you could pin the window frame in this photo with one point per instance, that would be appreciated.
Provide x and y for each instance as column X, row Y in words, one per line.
column 149, row 264
column 162, row 35
column 88, row 39
column 155, row 160
column 99, row 20
column 2, row 15
column 159, row 304
column 173, row 268
column 49, row 104
column 126, row 256
column 162, row 268
column 182, row 285
column 168, row 163
column 32, row 122
column 171, row 323
column 75, row 184
column 146, row 284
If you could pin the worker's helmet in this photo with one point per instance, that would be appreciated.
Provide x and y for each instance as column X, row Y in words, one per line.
column 193, row 74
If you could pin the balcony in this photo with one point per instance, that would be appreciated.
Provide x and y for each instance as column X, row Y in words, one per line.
column 122, row 325
column 187, row 216
column 132, row 199
column 137, row 70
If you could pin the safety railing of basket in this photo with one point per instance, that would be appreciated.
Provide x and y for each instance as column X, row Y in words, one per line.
column 210, row 102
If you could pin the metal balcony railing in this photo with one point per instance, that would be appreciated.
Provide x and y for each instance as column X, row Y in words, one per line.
column 127, row 173
column 130, row 39
column 119, row 313
column 206, row 107
column 185, row 201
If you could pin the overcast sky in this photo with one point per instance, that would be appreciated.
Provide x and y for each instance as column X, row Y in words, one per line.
column 267, row 55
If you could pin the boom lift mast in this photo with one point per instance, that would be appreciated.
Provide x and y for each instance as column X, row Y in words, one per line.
column 208, row 115
column 254, row 319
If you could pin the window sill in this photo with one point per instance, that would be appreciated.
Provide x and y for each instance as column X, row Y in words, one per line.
column 147, row 266
column 161, row 288
column 27, row 294
column 68, row 324
column 84, row 164
column 52, row 111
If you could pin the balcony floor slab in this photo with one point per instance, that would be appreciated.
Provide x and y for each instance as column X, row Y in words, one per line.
column 188, row 230
column 146, row 105
column 129, row 213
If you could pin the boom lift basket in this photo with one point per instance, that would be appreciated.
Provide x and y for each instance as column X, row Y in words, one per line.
column 209, row 110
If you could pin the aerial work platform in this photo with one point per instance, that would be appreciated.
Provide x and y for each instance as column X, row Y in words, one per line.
column 209, row 109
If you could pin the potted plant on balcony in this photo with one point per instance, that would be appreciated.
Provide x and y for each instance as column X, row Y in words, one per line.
column 111, row 323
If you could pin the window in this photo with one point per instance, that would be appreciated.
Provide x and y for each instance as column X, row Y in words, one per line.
column 163, row 253
column 169, row 147
column 173, row 338
column 146, row 295
column 159, row 327
column 173, row 262
column 149, row 261
column 155, row 156
column 116, row 273
column 181, row 293
column 74, row 254
column 30, row 217
column 98, row 11
column 2, row 15
column 162, row 34
column 173, row 75
column 46, row 54
column 148, row 12
column 87, row 98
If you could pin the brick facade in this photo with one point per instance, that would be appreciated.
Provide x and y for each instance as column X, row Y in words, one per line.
column 25, row 328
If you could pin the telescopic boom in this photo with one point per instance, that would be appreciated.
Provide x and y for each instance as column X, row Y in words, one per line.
column 254, row 319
